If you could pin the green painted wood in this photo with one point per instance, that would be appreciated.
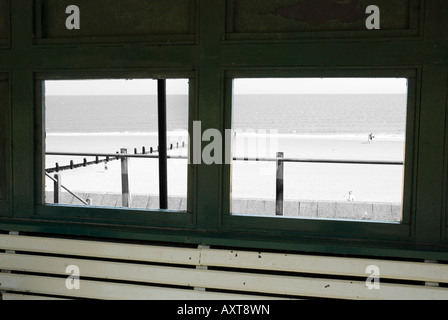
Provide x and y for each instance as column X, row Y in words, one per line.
column 429, row 180
column 257, row 17
column 4, row 144
column 135, row 18
column 5, row 25
column 22, row 115
column 209, row 44
column 21, row 24
column 209, row 106
column 22, row 137
column 434, row 15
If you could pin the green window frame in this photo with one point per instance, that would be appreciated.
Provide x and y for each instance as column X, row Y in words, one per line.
column 4, row 145
column 328, row 227
column 104, row 215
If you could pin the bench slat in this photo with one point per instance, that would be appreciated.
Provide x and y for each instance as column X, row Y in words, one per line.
column 109, row 291
column 99, row 249
column 225, row 280
column 181, row 274
column 229, row 258
column 325, row 265
column 16, row 297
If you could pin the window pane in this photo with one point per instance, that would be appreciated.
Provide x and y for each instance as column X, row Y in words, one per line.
column 91, row 121
column 342, row 141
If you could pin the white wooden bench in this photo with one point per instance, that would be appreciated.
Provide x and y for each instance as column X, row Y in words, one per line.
column 36, row 268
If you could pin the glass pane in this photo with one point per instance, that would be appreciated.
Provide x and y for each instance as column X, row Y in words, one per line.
column 342, row 142
column 88, row 122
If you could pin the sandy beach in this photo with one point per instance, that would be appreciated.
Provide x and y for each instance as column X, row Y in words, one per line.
column 250, row 180
column 308, row 181
column 143, row 173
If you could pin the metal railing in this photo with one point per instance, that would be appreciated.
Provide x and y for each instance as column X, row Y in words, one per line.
column 280, row 160
column 58, row 186
column 108, row 157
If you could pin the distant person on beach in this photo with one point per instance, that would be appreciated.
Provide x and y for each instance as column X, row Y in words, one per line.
column 370, row 138
column 105, row 166
column 351, row 196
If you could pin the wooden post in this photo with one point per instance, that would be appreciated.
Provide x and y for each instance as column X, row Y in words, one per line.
column 279, row 185
column 57, row 188
column 125, row 195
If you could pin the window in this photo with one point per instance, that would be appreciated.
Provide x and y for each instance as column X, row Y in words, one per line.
column 326, row 148
column 117, row 143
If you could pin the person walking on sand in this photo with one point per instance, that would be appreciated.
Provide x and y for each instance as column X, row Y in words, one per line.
column 370, row 138
column 351, row 196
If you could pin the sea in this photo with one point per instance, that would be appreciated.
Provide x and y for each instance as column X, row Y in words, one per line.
column 343, row 114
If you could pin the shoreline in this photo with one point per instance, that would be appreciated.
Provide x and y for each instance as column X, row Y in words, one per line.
column 261, row 133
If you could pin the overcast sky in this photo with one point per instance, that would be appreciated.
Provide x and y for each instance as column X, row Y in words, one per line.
column 241, row 86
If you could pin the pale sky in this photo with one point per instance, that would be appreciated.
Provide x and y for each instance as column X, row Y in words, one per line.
column 113, row 87
column 320, row 86
column 241, row 86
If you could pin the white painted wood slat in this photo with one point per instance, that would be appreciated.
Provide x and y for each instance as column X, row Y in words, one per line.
column 325, row 265
column 109, row 291
column 178, row 271
column 27, row 297
column 237, row 281
column 229, row 258
column 98, row 249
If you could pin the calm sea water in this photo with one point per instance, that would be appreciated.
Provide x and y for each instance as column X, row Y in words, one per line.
column 292, row 114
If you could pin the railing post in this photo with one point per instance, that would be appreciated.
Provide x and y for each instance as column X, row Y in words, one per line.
column 125, row 195
column 57, row 188
column 279, row 185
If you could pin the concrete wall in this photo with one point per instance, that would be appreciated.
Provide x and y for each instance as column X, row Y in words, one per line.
column 114, row 200
column 322, row 209
column 306, row 209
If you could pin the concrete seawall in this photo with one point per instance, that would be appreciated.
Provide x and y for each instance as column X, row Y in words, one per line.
column 306, row 209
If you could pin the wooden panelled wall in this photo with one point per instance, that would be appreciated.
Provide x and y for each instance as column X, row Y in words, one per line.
column 55, row 268
column 210, row 42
